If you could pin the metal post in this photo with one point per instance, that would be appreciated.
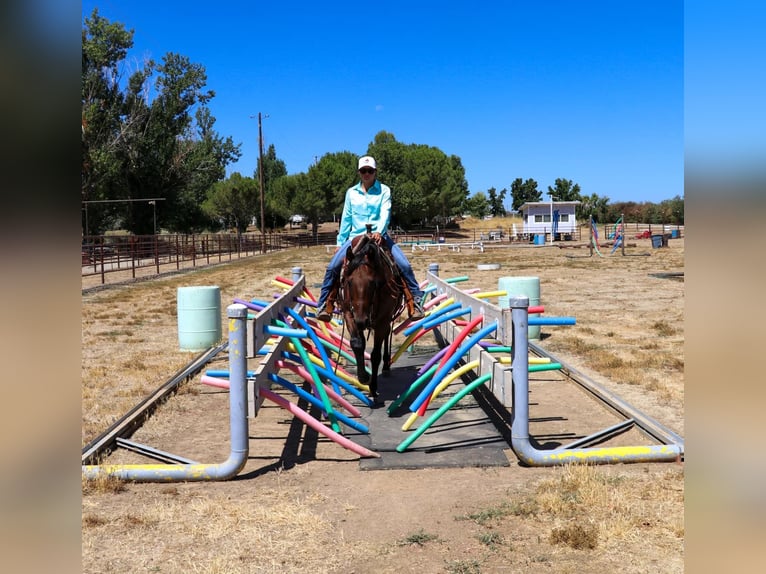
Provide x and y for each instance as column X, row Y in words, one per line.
column 260, row 178
column 297, row 272
column 520, row 366
column 622, row 216
column 551, row 207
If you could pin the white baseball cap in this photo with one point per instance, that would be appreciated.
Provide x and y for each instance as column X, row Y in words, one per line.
column 367, row 161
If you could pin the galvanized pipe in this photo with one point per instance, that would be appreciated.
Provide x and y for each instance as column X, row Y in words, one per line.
column 520, row 441
column 237, row 315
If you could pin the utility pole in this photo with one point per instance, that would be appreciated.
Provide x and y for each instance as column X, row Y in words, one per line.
column 260, row 178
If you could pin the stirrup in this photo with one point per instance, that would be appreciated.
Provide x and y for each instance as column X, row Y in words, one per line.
column 416, row 311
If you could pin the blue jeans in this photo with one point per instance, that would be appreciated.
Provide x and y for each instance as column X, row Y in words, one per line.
column 336, row 264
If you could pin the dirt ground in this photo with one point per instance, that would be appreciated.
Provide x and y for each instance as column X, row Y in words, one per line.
column 302, row 504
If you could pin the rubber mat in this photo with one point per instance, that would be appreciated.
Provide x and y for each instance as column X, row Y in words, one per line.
column 465, row 436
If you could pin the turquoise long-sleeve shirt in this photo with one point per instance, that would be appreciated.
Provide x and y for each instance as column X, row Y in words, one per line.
column 361, row 208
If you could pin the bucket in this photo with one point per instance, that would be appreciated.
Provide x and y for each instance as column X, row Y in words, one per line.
column 656, row 241
column 540, row 239
column 199, row 317
column 528, row 286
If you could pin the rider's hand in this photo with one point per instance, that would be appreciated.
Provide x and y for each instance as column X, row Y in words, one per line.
column 376, row 238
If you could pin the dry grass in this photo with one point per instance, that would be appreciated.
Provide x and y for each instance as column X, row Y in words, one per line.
column 196, row 534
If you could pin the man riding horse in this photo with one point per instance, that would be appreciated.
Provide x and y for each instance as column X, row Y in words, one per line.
column 367, row 203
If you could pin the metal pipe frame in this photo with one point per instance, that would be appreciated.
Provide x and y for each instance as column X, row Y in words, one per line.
column 513, row 323
column 237, row 316
column 520, row 440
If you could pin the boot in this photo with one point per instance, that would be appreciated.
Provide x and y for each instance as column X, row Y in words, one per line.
column 414, row 308
column 326, row 313
column 417, row 312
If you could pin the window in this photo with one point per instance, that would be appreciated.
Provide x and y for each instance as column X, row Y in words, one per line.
column 564, row 218
column 540, row 218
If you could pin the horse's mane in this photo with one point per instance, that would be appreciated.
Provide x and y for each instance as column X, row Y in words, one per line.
column 366, row 250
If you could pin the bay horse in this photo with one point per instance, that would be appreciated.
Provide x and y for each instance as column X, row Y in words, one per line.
column 371, row 298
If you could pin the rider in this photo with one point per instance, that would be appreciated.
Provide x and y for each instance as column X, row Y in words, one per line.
column 368, row 202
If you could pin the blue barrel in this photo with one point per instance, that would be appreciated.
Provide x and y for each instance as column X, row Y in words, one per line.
column 529, row 286
column 540, row 239
column 199, row 317
column 674, row 233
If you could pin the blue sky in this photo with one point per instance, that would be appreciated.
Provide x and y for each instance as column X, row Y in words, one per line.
column 591, row 91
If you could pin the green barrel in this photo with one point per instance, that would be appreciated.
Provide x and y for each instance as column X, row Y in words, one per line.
column 199, row 317
column 529, row 286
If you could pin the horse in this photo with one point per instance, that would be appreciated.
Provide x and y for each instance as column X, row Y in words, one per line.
column 371, row 299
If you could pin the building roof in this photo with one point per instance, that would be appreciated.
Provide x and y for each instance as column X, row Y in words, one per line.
column 529, row 204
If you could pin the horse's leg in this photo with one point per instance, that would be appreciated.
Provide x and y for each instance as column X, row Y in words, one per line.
column 375, row 356
column 357, row 345
column 387, row 352
column 380, row 350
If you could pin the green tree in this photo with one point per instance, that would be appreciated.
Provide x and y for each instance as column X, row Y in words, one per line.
column 425, row 182
column 204, row 158
column 565, row 190
column 477, row 205
column 524, row 192
column 273, row 169
column 104, row 47
column 496, row 201
column 151, row 137
column 233, row 201
column 318, row 194
column 592, row 205
column 673, row 210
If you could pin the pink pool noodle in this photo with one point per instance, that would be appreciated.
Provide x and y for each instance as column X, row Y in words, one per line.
column 318, row 426
column 298, row 370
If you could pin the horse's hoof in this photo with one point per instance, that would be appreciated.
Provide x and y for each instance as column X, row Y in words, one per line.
column 377, row 402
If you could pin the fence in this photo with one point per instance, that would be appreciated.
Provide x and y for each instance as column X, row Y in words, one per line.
column 641, row 230
column 103, row 255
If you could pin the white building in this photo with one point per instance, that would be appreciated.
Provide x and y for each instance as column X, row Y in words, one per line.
column 544, row 217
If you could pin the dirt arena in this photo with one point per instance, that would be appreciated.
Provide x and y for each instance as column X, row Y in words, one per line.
column 302, row 504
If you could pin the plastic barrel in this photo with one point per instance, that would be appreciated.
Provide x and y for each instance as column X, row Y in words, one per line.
column 199, row 317
column 656, row 241
column 674, row 233
column 529, row 286
column 540, row 239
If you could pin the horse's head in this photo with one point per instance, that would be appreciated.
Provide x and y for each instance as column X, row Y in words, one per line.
column 362, row 279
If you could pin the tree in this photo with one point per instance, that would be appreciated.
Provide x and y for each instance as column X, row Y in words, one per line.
column 104, row 47
column 425, row 182
column 151, row 137
column 594, row 206
column 496, row 202
column 204, row 159
column 565, row 190
column 273, row 169
column 318, row 194
column 477, row 205
column 233, row 201
column 524, row 192
column 673, row 210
